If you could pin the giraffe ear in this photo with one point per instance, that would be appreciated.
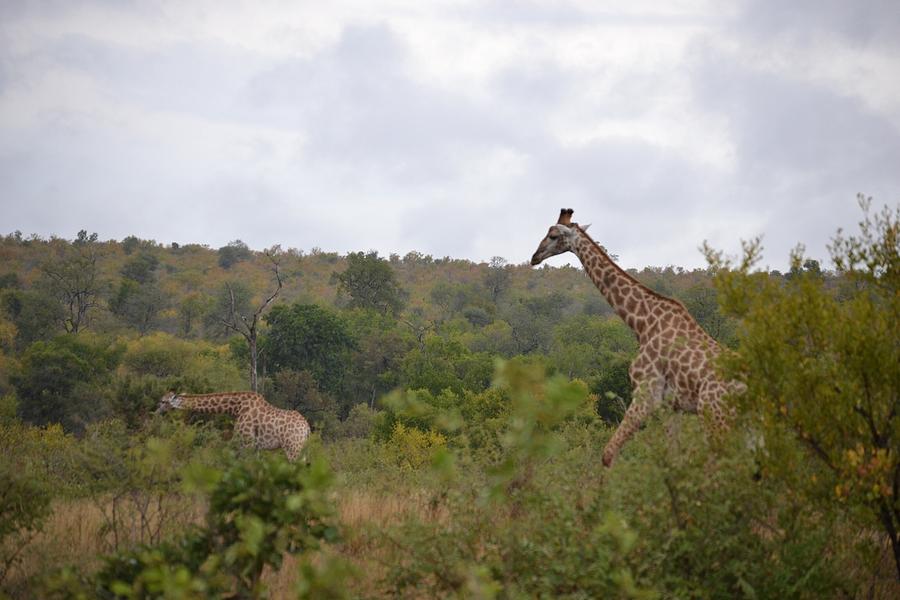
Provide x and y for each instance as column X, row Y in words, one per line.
column 585, row 227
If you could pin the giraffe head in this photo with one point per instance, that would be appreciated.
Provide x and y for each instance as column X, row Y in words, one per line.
column 561, row 238
column 169, row 401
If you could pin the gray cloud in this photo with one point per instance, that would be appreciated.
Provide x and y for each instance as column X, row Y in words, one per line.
column 861, row 21
column 784, row 125
column 182, row 77
column 361, row 109
column 803, row 150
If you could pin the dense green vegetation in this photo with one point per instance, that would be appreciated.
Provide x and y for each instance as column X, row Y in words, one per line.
column 459, row 412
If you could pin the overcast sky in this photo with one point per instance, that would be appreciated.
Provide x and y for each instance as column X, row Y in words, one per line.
column 451, row 128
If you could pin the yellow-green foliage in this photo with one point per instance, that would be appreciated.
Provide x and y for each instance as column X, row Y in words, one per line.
column 164, row 355
column 524, row 524
column 24, row 505
column 47, row 452
column 412, row 448
column 7, row 334
column 822, row 367
column 706, row 528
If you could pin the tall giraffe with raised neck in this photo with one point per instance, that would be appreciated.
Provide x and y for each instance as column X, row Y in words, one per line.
column 258, row 423
column 675, row 354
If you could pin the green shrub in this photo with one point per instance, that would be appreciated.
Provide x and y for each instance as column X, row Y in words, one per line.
column 412, row 408
column 445, row 363
column 265, row 507
column 8, row 409
column 24, row 505
column 63, row 380
column 173, row 359
column 260, row 509
column 47, row 453
column 706, row 527
column 529, row 524
column 822, row 368
column 135, row 479
column 358, row 424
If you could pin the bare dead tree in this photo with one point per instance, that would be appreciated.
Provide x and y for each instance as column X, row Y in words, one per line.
column 248, row 324
column 419, row 326
column 74, row 280
column 497, row 279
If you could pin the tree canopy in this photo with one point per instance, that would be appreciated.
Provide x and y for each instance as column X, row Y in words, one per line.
column 307, row 337
column 60, row 381
column 370, row 282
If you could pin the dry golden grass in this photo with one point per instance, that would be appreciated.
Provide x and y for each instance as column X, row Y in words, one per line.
column 71, row 535
column 360, row 513
column 76, row 534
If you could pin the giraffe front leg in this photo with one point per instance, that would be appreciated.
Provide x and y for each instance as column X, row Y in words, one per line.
column 647, row 396
column 294, row 441
column 245, row 432
column 291, row 452
column 292, row 448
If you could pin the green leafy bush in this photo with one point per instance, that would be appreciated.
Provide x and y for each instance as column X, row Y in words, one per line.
column 169, row 358
column 706, row 527
column 63, row 380
column 445, row 363
column 412, row 408
column 24, row 505
column 307, row 337
column 47, row 453
column 358, row 424
column 524, row 526
column 822, row 368
column 260, row 509
column 135, row 479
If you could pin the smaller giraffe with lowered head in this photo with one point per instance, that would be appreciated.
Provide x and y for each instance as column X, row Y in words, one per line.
column 675, row 356
column 258, row 423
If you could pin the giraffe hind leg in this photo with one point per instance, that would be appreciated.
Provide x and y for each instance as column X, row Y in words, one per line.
column 713, row 406
column 648, row 395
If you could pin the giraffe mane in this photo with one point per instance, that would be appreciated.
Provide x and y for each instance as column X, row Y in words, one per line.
column 625, row 273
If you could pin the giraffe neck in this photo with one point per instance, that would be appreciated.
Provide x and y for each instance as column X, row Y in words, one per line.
column 630, row 299
column 231, row 404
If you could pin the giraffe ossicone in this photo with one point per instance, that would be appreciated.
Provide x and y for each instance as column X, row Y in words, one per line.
column 675, row 354
column 257, row 423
